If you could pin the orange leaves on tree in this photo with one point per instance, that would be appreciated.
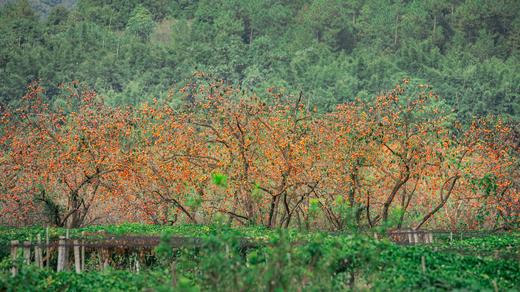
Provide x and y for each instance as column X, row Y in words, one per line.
column 284, row 164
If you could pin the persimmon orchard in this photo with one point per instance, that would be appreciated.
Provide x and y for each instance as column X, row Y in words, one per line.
column 399, row 160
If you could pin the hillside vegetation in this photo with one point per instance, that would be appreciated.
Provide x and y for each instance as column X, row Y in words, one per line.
column 332, row 50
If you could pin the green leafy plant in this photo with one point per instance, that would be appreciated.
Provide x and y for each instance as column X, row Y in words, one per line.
column 219, row 179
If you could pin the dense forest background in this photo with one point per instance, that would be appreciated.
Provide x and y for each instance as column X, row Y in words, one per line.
column 333, row 51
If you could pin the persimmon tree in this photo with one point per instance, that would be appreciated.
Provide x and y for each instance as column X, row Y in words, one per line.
column 264, row 150
column 347, row 151
column 494, row 176
column 63, row 158
column 398, row 160
column 170, row 165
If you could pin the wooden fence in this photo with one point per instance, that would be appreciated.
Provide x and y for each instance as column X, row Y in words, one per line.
column 40, row 254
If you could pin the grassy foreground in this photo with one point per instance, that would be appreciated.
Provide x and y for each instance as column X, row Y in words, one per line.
column 286, row 261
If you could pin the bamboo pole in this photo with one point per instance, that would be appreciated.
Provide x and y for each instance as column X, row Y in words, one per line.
column 14, row 254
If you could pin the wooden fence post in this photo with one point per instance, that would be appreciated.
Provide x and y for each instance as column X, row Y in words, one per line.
column 430, row 237
column 423, row 264
column 61, row 254
column 14, row 255
column 83, row 250
column 27, row 252
column 67, row 250
column 106, row 253
column 38, row 257
column 415, row 237
column 77, row 259
column 47, row 248
column 410, row 239
column 174, row 274
column 451, row 236
column 103, row 258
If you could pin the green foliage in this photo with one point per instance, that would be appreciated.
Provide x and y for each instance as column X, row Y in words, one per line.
column 333, row 51
column 30, row 278
column 502, row 246
column 488, row 185
column 193, row 200
column 256, row 192
column 225, row 262
column 257, row 259
column 141, row 23
column 347, row 213
column 219, row 179
column 444, row 271
column 393, row 219
column 314, row 208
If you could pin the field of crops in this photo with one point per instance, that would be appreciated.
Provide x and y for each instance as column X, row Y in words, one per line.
column 281, row 260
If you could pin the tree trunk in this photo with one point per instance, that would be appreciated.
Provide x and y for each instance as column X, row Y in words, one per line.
column 394, row 192
column 443, row 200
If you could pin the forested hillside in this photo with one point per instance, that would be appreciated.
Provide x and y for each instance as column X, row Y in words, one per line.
column 333, row 51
